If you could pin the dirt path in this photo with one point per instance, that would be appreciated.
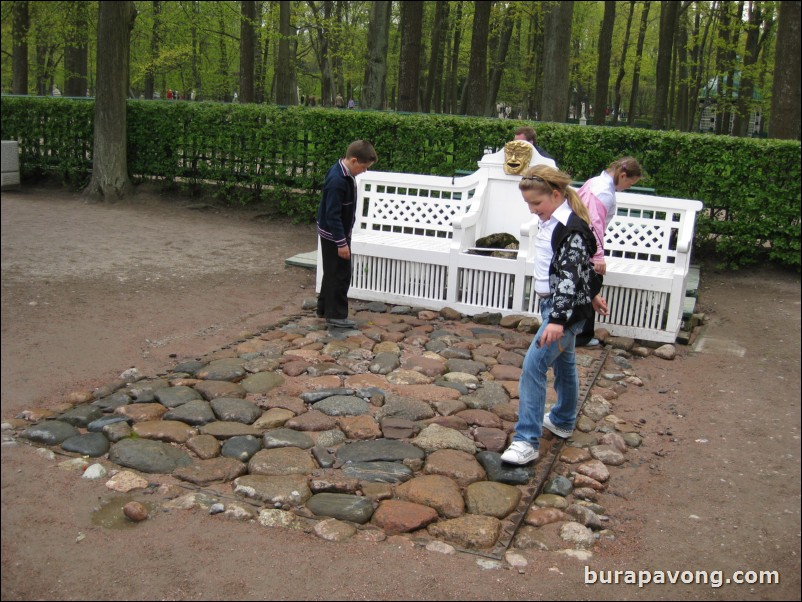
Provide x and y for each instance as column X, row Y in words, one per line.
column 89, row 290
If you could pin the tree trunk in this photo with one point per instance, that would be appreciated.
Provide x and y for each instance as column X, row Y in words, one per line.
column 374, row 89
column 150, row 77
column 322, row 51
column 475, row 90
column 19, row 61
column 754, row 40
column 452, row 85
column 622, row 66
column 409, row 61
column 75, row 50
column 633, row 96
column 286, row 89
column 508, row 21
column 110, row 154
column 436, row 56
column 439, row 84
column 669, row 11
column 556, row 61
column 603, row 66
column 247, row 43
column 682, row 85
column 785, row 106
column 222, row 68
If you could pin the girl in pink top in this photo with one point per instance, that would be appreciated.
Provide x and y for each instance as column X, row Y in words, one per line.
column 598, row 195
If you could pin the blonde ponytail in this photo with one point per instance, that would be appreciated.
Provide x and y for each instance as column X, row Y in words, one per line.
column 544, row 178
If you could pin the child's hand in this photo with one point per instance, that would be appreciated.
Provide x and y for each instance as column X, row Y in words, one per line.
column 344, row 252
column 600, row 305
column 551, row 334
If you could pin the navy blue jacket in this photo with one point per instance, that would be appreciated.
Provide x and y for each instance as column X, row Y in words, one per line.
column 337, row 211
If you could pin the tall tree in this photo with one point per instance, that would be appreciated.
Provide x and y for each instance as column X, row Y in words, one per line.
column 155, row 38
column 633, row 96
column 502, row 47
column 473, row 94
column 761, row 22
column 409, row 61
column 622, row 66
column 247, row 45
column 75, row 51
column 19, row 61
column 286, row 86
column 109, row 154
column 436, row 55
column 556, row 61
column 374, row 88
column 451, row 99
column 603, row 66
column 785, row 106
column 669, row 12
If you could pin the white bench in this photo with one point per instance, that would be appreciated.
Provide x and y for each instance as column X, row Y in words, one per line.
column 414, row 235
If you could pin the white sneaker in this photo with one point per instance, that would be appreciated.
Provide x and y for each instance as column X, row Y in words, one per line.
column 520, row 452
column 563, row 433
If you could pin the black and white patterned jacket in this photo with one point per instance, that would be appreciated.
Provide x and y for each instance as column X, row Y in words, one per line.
column 572, row 281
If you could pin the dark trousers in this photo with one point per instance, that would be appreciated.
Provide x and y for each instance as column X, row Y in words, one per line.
column 583, row 338
column 332, row 302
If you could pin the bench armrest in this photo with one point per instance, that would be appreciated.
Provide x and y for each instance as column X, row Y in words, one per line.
column 685, row 241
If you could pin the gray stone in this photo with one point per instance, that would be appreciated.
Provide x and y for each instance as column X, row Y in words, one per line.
column 403, row 407
column 91, row 444
column 232, row 409
column 585, row 515
column 111, row 402
column 341, row 506
column 81, row 416
column 578, row 535
column 485, row 397
column 607, row 454
column 386, row 450
column 324, row 457
column 559, row 485
column 148, row 456
column 384, row 363
column 196, row 412
column 321, row 394
column 435, row 437
column 241, row 448
column 503, row 472
column 229, row 369
column 468, row 366
column 283, row 437
column 190, row 367
column 343, row 405
column 377, row 472
column 262, row 382
column 173, row 397
column 50, row 432
column 96, row 426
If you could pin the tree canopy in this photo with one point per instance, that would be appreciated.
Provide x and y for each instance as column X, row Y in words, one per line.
column 717, row 55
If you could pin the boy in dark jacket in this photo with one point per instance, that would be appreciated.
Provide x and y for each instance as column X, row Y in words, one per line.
column 335, row 221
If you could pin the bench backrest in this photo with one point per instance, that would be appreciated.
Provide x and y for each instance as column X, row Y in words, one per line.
column 650, row 228
column 412, row 203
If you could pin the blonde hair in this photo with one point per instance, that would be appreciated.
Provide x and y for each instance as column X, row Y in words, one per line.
column 545, row 179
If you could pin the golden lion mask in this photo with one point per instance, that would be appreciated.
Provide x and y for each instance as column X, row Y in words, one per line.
column 517, row 157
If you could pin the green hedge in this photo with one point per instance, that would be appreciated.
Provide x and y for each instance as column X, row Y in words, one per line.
column 750, row 187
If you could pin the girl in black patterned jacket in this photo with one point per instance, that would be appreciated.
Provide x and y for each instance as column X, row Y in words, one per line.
column 569, row 292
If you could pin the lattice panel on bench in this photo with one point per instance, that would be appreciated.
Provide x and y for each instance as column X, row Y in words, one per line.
column 485, row 289
column 419, row 211
column 399, row 277
column 643, row 235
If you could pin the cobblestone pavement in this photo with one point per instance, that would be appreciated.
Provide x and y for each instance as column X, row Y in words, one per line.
column 392, row 428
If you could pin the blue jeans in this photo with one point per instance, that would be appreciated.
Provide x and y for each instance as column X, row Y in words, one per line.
column 532, row 387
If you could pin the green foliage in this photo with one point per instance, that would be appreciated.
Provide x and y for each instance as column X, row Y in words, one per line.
column 750, row 187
